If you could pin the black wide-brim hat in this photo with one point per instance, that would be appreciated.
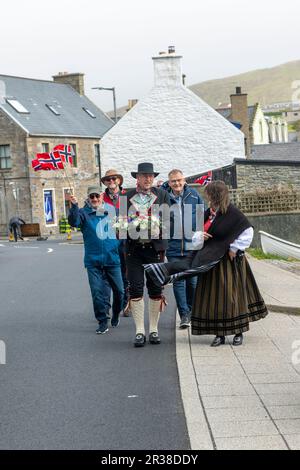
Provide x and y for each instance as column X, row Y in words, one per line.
column 145, row 168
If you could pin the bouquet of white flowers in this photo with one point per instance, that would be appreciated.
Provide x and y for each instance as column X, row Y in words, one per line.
column 150, row 224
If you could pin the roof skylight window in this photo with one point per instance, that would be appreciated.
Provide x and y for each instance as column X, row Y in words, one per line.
column 53, row 110
column 17, row 106
column 89, row 113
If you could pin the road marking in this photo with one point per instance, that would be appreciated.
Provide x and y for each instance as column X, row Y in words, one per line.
column 27, row 247
column 50, row 250
column 71, row 244
column 132, row 396
column 2, row 246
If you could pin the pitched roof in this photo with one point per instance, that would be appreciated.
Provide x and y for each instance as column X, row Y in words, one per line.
column 35, row 95
column 120, row 112
column 226, row 112
column 279, row 152
column 251, row 113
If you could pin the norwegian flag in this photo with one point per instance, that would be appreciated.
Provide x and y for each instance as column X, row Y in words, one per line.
column 54, row 160
column 66, row 153
column 36, row 165
column 47, row 161
column 204, row 179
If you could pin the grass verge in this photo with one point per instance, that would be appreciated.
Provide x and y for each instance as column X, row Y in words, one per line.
column 259, row 254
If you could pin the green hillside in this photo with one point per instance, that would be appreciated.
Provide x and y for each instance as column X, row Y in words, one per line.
column 265, row 86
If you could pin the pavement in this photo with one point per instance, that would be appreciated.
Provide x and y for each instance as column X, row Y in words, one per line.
column 76, row 237
column 247, row 397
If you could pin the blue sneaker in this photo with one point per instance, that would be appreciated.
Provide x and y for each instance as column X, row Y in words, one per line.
column 185, row 322
column 102, row 329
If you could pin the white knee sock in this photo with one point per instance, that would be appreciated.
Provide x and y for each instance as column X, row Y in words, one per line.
column 137, row 310
column 154, row 314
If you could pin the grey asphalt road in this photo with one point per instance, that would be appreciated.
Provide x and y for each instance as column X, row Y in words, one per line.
column 64, row 387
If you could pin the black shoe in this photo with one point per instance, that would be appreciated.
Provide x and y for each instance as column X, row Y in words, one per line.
column 140, row 340
column 154, row 338
column 185, row 322
column 218, row 341
column 238, row 340
column 115, row 321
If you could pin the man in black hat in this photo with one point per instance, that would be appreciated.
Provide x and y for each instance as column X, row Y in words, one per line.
column 143, row 201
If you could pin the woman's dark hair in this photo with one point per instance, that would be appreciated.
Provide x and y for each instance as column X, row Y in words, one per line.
column 218, row 193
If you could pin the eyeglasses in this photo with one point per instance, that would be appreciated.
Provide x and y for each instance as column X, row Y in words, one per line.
column 111, row 178
column 177, row 181
column 94, row 196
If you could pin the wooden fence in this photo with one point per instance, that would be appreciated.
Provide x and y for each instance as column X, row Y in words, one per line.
column 266, row 201
column 263, row 201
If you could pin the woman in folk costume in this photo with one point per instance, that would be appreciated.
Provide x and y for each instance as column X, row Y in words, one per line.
column 227, row 297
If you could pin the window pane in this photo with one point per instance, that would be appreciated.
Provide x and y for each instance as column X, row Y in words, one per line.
column 53, row 110
column 73, row 146
column 45, row 148
column 97, row 154
column 92, row 115
column 67, row 193
column 4, row 151
column 5, row 158
column 17, row 106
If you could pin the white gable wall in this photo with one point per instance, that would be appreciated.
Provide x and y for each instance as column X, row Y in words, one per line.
column 260, row 128
column 173, row 128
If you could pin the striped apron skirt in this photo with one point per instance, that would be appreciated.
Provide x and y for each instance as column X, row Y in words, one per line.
column 227, row 299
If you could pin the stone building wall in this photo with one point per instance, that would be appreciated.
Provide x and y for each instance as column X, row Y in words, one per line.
column 86, row 174
column 262, row 176
column 285, row 226
column 14, row 183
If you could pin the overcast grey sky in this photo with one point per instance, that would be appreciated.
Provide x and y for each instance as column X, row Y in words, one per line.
column 112, row 41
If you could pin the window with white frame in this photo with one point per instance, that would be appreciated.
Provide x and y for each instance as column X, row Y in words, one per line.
column 45, row 147
column 17, row 106
column 74, row 149
column 5, row 157
column 67, row 205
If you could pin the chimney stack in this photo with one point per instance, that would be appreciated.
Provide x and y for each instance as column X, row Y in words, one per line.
column 239, row 113
column 75, row 80
column 167, row 69
column 131, row 103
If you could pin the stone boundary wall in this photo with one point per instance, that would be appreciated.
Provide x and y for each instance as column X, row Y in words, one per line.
column 285, row 226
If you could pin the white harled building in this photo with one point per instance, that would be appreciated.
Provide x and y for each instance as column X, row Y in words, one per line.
column 171, row 127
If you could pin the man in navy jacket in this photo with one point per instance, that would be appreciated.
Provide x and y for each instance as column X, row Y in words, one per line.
column 182, row 195
column 101, row 258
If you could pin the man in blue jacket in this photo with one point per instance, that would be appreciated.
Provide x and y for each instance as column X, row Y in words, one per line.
column 182, row 195
column 101, row 258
